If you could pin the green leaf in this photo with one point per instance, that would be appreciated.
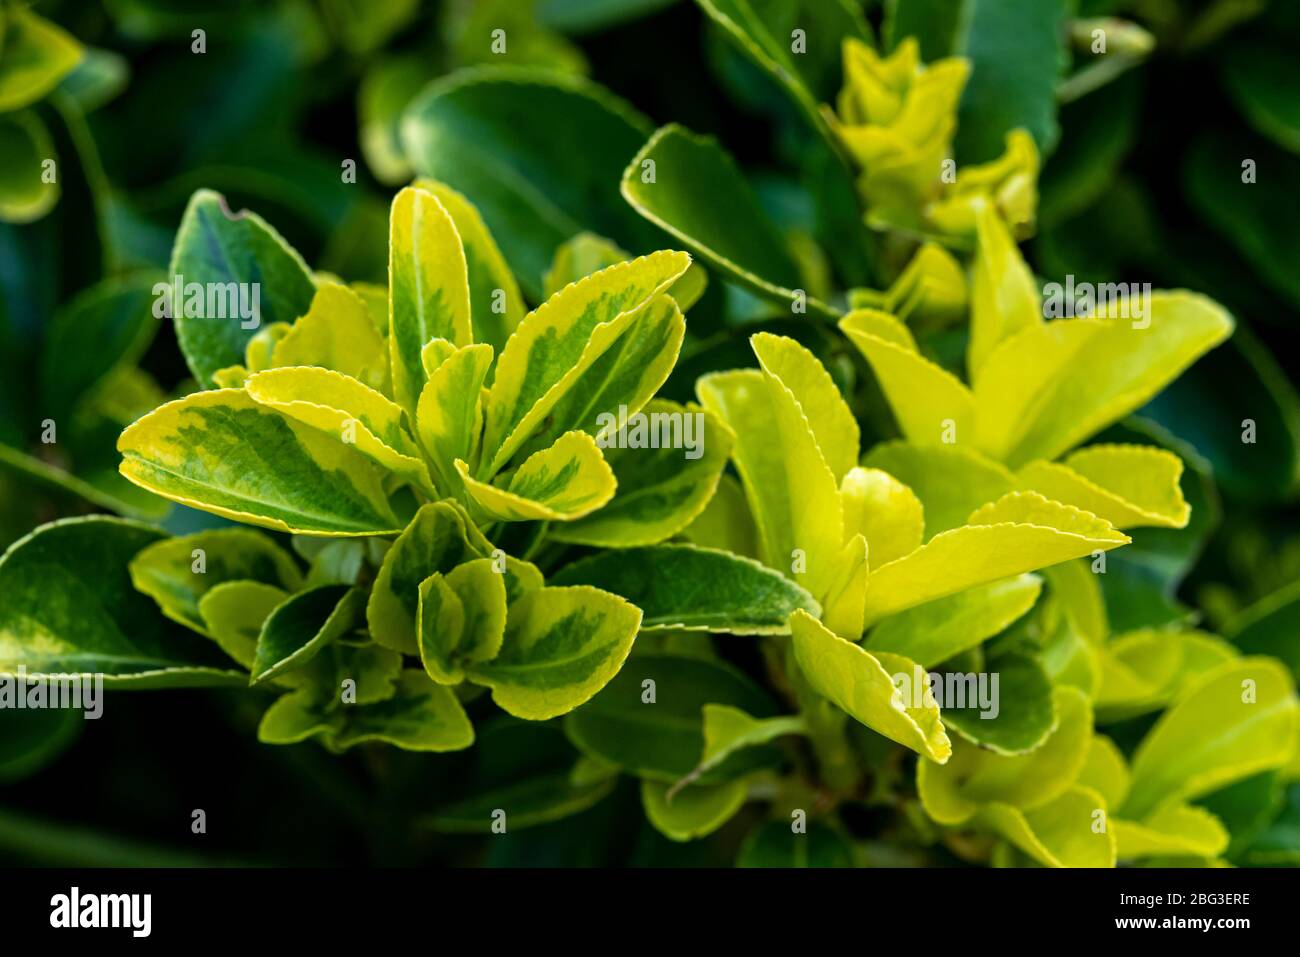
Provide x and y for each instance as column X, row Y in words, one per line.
column 1017, row 53
column 1251, row 216
column 974, row 778
column 660, row 489
column 25, row 146
column 388, row 84
column 461, row 619
column 1237, row 720
column 539, row 154
column 223, row 453
column 699, row 589
column 777, row 844
column 1097, row 134
column 728, row 730
column 1258, row 75
column 932, row 288
column 420, row 716
column 525, row 769
column 428, row 288
column 124, row 499
column 295, row 632
column 103, row 330
column 587, row 253
column 37, row 55
column 178, row 572
column 1020, row 532
column 1048, row 387
column 1280, row 841
column 233, row 613
column 33, row 739
column 1269, row 627
column 935, row 24
column 336, row 333
column 647, row 720
column 932, row 633
column 344, row 409
column 70, row 608
column 215, row 247
column 1195, row 409
column 361, row 667
column 1022, row 715
column 566, row 481
column 562, row 645
column 690, row 187
column 496, row 305
column 559, row 342
column 590, row 16
column 762, row 30
column 863, row 684
column 693, row 812
column 950, row 480
column 1068, row 656
column 439, row 538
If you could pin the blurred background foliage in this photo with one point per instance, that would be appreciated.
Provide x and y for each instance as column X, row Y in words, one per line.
column 1141, row 182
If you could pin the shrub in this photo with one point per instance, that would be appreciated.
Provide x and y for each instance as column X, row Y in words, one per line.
column 856, row 537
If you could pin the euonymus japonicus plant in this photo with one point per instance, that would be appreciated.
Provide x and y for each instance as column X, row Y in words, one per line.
column 405, row 432
column 460, row 522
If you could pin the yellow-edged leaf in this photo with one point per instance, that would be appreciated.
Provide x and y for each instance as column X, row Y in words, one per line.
column 559, row 341
column 428, row 288
column 496, row 305
column 221, row 452
column 660, row 490
column 336, row 333
column 567, row 481
column 344, row 409
column 449, row 414
column 561, row 646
